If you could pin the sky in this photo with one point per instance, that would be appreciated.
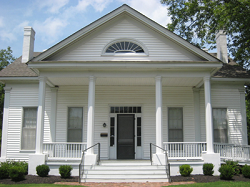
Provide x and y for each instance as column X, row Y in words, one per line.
column 54, row 20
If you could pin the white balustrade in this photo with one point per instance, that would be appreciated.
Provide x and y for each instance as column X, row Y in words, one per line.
column 185, row 150
column 233, row 152
column 64, row 149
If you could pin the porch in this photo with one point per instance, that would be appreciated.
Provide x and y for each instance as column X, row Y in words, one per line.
column 175, row 151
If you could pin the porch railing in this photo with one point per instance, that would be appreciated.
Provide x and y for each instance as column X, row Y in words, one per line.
column 185, row 150
column 233, row 152
column 81, row 165
column 167, row 164
column 64, row 149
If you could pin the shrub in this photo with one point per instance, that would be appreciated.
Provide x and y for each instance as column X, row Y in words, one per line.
column 42, row 170
column 208, row 169
column 65, row 171
column 246, row 171
column 4, row 170
column 17, row 173
column 226, row 172
column 185, row 170
column 235, row 166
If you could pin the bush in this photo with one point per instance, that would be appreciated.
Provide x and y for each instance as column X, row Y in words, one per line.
column 235, row 166
column 65, row 171
column 208, row 169
column 226, row 172
column 17, row 173
column 246, row 171
column 42, row 170
column 4, row 170
column 185, row 170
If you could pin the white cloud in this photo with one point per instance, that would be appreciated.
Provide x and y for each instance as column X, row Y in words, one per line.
column 1, row 22
column 53, row 6
column 51, row 29
column 7, row 36
column 98, row 5
column 153, row 9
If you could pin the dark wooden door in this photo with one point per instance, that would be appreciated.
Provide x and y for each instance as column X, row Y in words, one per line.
column 125, row 136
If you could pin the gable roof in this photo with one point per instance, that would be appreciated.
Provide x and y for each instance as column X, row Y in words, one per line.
column 123, row 10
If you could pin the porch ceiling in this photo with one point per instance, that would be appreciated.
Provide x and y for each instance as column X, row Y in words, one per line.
column 173, row 81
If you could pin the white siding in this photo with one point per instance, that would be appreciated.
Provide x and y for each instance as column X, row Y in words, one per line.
column 158, row 46
column 225, row 98
column 21, row 95
column 107, row 96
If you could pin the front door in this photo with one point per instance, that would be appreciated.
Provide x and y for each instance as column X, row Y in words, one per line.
column 125, row 136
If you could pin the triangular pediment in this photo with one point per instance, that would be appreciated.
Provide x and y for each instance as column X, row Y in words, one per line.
column 124, row 24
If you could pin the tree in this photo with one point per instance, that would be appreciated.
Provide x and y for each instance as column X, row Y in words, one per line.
column 198, row 21
column 6, row 58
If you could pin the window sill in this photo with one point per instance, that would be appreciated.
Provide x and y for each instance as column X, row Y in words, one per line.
column 27, row 151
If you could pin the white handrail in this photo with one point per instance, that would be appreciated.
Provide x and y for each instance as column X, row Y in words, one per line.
column 64, row 149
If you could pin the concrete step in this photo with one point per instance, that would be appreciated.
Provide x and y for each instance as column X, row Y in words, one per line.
column 124, row 170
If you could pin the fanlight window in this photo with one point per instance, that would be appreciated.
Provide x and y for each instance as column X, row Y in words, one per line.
column 124, row 47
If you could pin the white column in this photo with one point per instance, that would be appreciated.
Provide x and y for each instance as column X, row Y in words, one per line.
column 208, row 112
column 158, row 106
column 40, row 115
column 53, row 113
column 196, row 93
column 243, row 116
column 91, row 114
column 5, row 123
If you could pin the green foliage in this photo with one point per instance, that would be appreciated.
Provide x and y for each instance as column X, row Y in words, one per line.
column 42, row 170
column 226, row 172
column 185, row 170
column 65, row 171
column 4, row 170
column 246, row 171
column 6, row 166
column 17, row 173
column 208, row 169
column 235, row 166
column 199, row 21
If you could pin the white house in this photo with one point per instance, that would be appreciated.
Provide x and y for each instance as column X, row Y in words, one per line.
column 124, row 81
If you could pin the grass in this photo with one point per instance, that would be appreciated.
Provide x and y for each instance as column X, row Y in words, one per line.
column 38, row 185
column 219, row 184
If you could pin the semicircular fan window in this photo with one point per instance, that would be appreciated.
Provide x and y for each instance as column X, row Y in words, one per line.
column 124, row 47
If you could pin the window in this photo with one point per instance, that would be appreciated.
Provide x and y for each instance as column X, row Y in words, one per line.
column 75, row 123
column 175, row 125
column 220, row 125
column 124, row 47
column 29, row 128
column 125, row 109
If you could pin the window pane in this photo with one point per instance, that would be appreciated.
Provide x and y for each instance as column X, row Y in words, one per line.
column 138, row 141
column 220, row 125
column 29, row 129
column 75, row 123
column 175, row 124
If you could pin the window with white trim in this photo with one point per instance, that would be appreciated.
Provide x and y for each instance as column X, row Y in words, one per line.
column 28, row 141
column 175, row 124
column 220, row 125
column 124, row 47
column 75, row 124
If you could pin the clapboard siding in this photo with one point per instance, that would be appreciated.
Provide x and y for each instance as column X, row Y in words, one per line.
column 158, row 46
column 107, row 96
column 225, row 98
column 21, row 95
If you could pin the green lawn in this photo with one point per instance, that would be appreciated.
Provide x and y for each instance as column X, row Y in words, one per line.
column 219, row 184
